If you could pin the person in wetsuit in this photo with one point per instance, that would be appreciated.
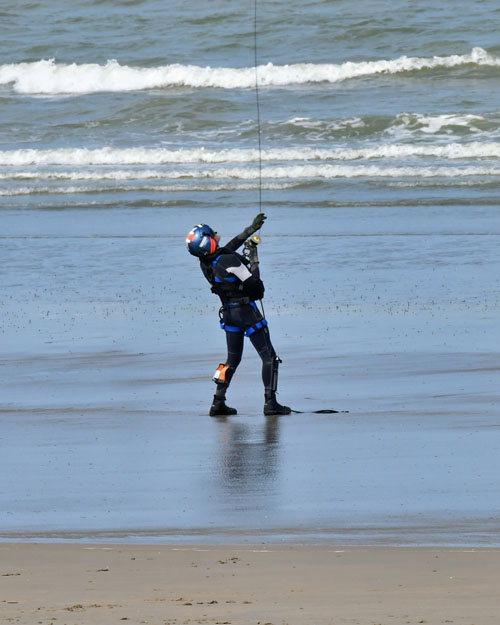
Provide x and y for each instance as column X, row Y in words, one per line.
column 236, row 280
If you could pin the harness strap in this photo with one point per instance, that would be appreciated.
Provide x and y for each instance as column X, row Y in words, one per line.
column 238, row 301
column 228, row 328
column 248, row 332
column 228, row 279
column 257, row 326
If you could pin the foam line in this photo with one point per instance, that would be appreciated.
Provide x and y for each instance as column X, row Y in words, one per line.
column 50, row 78
column 281, row 172
column 117, row 157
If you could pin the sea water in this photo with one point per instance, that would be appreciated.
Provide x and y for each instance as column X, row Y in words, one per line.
column 125, row 123
column 113, row 104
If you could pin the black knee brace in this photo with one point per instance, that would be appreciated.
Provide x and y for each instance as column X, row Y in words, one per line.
column 223, row 374
column 274, row 373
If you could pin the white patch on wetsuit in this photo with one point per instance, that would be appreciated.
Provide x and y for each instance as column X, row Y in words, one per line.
column 240, row 272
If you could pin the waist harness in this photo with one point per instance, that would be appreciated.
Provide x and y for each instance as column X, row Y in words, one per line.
column 248, row 331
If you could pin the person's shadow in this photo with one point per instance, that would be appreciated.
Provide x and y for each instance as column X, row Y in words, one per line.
column 248, row 457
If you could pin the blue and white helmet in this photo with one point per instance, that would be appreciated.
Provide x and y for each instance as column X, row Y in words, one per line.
column 200, row 241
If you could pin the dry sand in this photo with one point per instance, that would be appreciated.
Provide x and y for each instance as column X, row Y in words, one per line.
column 296, row 585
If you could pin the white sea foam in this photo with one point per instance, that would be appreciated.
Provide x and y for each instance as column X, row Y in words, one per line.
column 280, row 172
column 170, row 188
column 331, row 125
column 408, row 125
column 151, row 157
column 50, row 78
column 340, row 171
column 432, row 124
column 84, row 175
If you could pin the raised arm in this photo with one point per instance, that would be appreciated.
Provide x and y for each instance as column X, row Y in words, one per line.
column 239, row 239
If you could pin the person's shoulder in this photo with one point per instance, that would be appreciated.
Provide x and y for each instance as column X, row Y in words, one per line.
column 228, row 259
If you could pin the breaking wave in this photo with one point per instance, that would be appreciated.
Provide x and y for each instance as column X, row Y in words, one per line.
column 108, row 156
column 280, row 172
column 46, row 77
column 170, row 188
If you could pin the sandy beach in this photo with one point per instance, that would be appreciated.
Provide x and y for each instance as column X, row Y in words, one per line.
column 88, row 584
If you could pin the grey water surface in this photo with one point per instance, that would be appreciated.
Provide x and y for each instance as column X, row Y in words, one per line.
column 125, row 123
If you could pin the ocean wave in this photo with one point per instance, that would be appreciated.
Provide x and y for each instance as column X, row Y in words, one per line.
column 280, row 172
column 403, row 127
column 108, row 156
column 46, row 77
column 170, row 188
column 433, row 124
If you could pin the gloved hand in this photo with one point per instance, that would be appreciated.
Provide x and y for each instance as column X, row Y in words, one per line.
column 251, row 252
column 256, row 224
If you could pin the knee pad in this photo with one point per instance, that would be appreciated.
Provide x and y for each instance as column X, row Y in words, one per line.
column 223, row 374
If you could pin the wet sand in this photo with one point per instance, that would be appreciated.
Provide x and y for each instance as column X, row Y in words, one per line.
column 414, row 461
column 88, row 584
column 110, row 338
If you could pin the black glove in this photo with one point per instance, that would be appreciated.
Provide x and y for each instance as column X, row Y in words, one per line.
column 256, row 224
column 250, row 251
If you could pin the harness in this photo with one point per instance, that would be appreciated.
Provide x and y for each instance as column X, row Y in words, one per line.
column 230, row 291
column 228, row 288
column 248, row 331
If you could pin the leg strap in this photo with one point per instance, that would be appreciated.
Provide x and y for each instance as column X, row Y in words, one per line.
column 257, row 326
column 228, row 328
column 248, row 332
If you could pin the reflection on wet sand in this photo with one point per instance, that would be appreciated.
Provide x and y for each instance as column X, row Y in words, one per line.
column 248, row 457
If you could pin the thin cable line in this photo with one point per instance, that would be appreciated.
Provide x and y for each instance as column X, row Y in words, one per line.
column 257, row 101
column 257, row 98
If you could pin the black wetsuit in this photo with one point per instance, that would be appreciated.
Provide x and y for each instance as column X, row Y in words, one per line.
column 238, row 286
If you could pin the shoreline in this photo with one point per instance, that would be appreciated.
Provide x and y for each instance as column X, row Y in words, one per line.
column 468, row 534
column 278, row 584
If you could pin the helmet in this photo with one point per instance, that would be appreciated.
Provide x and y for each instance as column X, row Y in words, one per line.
column 200, row 241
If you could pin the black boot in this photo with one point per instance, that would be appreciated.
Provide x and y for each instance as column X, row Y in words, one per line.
column 271, row 407
column 219, row 408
